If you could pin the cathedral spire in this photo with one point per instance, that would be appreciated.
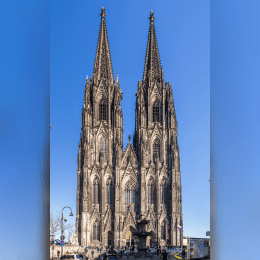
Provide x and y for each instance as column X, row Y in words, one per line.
column 152, row 66
column 103, row 65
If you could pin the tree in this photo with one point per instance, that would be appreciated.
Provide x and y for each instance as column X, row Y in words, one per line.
column 55, row 224
column 70, row 229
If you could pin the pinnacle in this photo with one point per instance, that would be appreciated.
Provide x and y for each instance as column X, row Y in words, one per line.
column 152, row 66
column 102, row 64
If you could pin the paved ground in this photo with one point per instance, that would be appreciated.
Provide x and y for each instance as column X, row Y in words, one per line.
column 171, row 254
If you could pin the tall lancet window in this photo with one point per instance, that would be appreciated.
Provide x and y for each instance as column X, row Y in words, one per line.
column 156, row 111
column 95, row 191
column 109, row 191
column 163, row 230
column 102, row 147
column 102, row 109
column 156, row 149
column 162, row 192
column 150, row 192
column 130, row 192
column 96, row 231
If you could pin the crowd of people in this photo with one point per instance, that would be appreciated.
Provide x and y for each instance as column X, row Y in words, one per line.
column 124, row 250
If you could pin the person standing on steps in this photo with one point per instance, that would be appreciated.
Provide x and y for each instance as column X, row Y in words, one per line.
column 183, row 253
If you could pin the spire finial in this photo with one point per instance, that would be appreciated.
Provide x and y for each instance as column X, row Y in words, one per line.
column 103, row 14
column 117, row 80
column 151, row 17
column 129, row 138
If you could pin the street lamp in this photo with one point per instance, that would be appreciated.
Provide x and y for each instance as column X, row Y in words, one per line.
column 62, row 231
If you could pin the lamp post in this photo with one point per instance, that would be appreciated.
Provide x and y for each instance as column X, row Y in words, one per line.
column 62, row 231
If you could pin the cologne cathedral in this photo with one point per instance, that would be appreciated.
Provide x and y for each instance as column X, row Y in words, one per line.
column 116, row 187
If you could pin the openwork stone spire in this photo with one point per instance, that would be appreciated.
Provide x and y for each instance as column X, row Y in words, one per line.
column 103, row 65
column 152, row 66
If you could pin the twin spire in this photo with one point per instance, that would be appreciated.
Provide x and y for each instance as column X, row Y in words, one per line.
column 152, row 66
column 103, row 64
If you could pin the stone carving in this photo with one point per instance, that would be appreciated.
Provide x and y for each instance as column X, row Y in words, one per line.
column 119, row 176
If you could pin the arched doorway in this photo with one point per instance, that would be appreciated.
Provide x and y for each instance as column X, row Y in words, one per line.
column 128, row 236
column 151, row 240
column 110, row 239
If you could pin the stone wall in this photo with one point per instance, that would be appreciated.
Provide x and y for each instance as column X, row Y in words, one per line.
column 70, row 248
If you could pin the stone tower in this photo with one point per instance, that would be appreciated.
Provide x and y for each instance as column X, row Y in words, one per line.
column 116, row 188
column 156, row 145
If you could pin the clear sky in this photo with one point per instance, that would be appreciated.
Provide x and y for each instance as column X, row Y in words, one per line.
column 183, row 36
column 182, row 29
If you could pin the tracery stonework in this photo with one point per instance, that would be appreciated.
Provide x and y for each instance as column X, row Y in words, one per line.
column 116, row 188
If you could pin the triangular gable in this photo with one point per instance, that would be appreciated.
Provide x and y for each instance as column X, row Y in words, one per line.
column 108, row 220
column 129, row 171
column 95, row 215
column 163, row 172
column 156, row 131
column 129, row 152
column 108, row 173
column 95, row 170
column 101, row 91
column 129, row 219
column 151, row 171
column 101, row 130
column 155, row 92
column 108, row 170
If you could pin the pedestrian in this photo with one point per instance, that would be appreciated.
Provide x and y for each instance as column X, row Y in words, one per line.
column 164, row 254
column 183, row 253
column 58, row 253
column 92, row 252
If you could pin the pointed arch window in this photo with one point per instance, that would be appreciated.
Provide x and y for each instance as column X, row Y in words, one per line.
column 109, row 191
column 163, row 230
column 96, row 231
column 156, row 149
column 156, row 111
column 102, row 109
column 129, row 193
column 102, row 146
column 150, row 192
column 96, row 191
column 162, row 192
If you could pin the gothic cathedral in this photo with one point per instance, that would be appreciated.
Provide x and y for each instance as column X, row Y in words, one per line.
column 118, row 188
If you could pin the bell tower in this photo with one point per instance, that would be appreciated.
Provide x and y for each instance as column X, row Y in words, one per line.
column 156, row 145
column 100, row 142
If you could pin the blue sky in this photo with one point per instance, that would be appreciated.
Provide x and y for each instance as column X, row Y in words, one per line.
column 182, row 32
column 182, row 29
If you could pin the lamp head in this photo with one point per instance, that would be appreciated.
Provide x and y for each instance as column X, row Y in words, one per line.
column 65, row 219
column 71, row 214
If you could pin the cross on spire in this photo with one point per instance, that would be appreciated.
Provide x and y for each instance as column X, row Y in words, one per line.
column 151, row 17
column 103, row 14
column 129, row 138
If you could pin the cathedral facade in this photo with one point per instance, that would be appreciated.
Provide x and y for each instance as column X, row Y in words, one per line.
column 117, row 188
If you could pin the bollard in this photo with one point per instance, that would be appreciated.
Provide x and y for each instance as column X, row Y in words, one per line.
column 127, row 255
column 151, row 256
column 135, row 256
